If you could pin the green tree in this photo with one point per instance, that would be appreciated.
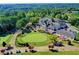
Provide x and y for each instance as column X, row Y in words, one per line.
column 21, row 23
column 21, row 14
column 65, row 17
column 30, row 13
column 34, row 19
column 52, row 37
column 58, row 16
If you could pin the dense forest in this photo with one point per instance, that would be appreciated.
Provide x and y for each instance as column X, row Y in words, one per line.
column 18, row 15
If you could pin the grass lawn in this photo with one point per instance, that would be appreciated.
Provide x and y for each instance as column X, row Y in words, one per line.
column 35, row 38
column 73, row 15
column 5, row 39
column 51, row 53
column 76, row 15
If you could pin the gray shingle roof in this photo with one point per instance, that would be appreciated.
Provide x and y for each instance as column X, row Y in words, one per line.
column 55, row 25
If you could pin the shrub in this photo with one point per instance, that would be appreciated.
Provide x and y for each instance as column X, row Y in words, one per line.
column 77, row 37
column 52, row 37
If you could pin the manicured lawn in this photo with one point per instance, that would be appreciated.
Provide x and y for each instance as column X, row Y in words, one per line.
column 76, row 15
column 5, row 39
column 73, row 15
column 51, row 53
column 35, row 38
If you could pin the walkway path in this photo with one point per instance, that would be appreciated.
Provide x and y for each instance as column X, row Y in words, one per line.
column 12, row 42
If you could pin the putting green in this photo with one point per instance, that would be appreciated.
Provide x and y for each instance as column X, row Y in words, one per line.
column 34, row 38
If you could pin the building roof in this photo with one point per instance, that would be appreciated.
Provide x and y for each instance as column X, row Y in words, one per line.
column 56, row 25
